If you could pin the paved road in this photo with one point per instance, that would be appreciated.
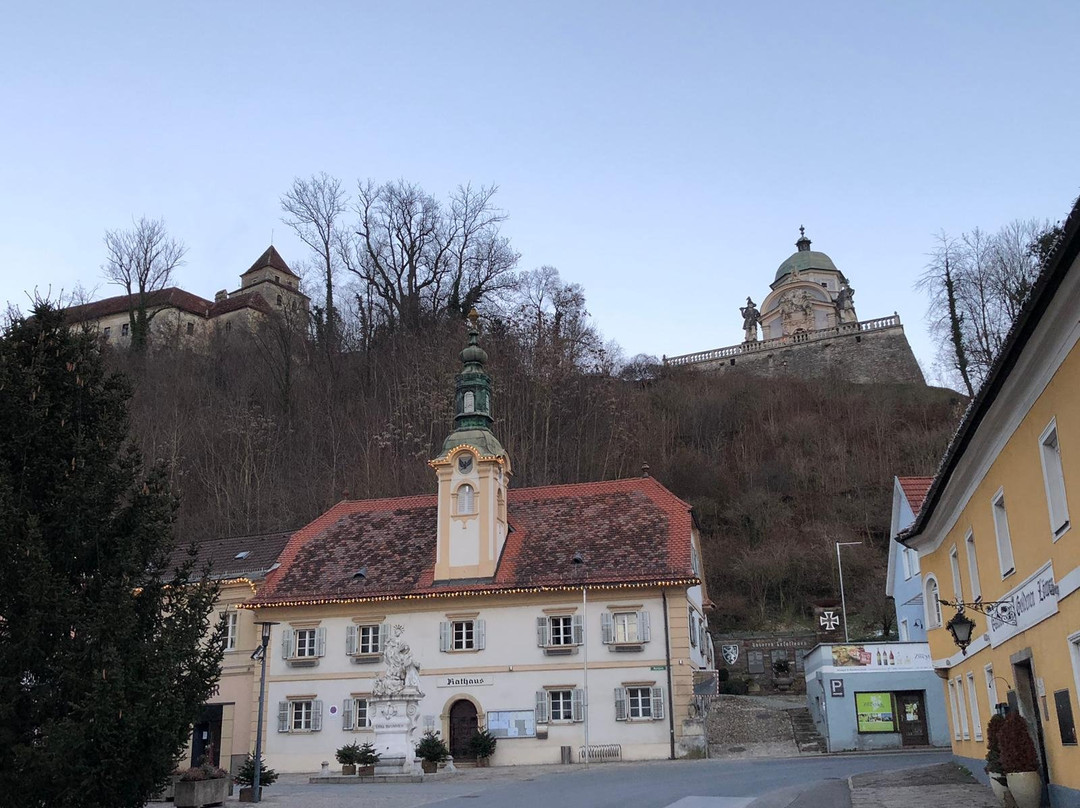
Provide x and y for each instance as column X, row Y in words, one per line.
column 807, row 782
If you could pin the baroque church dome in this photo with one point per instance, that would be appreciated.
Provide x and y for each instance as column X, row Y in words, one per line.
column 804, row 258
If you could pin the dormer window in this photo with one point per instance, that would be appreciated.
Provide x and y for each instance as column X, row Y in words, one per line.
column 466, row 500
column 469, row 402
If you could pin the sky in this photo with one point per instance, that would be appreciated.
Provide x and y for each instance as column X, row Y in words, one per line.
column 662, row 155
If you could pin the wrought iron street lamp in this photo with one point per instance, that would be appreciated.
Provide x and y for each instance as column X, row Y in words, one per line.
column 265, row 625
column 961, row 627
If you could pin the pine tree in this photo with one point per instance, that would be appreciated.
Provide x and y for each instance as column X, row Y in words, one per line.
column 104, row 662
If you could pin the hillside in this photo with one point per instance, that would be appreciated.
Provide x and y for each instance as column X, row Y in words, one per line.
column 265, row 432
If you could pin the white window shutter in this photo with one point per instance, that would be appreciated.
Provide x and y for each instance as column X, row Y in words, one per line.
column 350, row 639
column 579, row 704
column 542, row 631
column 384, row 632
column 320, row 641
column 657, row 703
column 316, row 715
column 286, row 643
column 643, row 626
column 481, row 634
column 620, row 704
column 347, row 720
column 541, row 707
column 283, row 716
column 607, row 628
column 444, row 636
column 578, row 627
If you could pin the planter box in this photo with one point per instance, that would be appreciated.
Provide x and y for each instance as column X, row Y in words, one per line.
column 348, row 768
column 429, row 766
column 247, row 793
column 197, row 793
column 1026, row 788
column 365, row 771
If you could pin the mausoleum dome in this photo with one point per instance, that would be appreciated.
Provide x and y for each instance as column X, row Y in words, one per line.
column 804, row 258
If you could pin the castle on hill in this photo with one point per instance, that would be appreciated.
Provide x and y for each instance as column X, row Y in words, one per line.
column 807, row 326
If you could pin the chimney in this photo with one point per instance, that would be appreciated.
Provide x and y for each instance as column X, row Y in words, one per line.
column 644, row 469
column 222, row 295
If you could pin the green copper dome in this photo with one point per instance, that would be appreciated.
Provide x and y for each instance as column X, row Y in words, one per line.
column 472, row 400
column 804, row 258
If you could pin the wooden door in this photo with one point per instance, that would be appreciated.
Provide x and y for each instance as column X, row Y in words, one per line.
column 911, row 712
column 462, row 727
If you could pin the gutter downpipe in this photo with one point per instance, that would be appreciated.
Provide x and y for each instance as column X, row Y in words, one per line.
column 670, row 696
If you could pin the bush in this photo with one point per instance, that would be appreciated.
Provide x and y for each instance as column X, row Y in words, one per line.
column 1017, row 748
column 246, row 775
column 482, row 744
column 206, row 771
column 431, row 748
column 367, row 756
column 348, row 754
column 734, row 687
column 781, row 667
column 993, row 744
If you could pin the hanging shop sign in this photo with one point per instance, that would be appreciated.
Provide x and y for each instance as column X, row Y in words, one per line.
column 1028, row 604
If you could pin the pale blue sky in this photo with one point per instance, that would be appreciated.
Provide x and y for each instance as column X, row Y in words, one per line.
column 663, row 155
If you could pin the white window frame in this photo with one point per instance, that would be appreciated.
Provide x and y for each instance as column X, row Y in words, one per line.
column 290, row 648
column 351, row 720
column 624, row 627
column 1006, row 560
column 905, row 559
column 639, row 702
column 973, row 703
column 232, row 629
column 560, row 632
column 991, row 687
column 288, row 717
column 954, row 567
column 305, row 643
column 904, row 632
column 1057, row 503
column 691, row 619
column 462, row 634
column 955, row 710
column 965, row 721
column 570, row 705
column 932, row 604
column 365, row 640
column 973, row 565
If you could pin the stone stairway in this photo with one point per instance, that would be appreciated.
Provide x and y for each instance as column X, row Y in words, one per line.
column 807, row 738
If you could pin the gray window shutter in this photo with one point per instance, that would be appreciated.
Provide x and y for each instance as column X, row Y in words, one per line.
column 384, row 632
column 620, row 704
column 286, row 643
column 316, row 715
column 283, row 716
column 693, row 627
column 541, row 707
column 542, row 632
column 579, row 704
column 347, row 720
column 444, row 636
column 350, row 639
column 481, row 634
column 643, row 627
column 607, row 628
column 320, row 641
column 578, row 627
column 657, row 703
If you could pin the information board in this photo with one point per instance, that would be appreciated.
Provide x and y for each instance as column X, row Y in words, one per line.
column 512, row 723
column 875, row 712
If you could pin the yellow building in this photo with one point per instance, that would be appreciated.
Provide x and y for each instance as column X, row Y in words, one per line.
column 995, row 537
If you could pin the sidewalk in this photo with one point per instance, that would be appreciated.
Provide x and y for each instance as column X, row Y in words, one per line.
column 943, row 786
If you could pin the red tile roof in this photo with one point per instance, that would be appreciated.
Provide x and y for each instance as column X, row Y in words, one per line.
column 170, row 297
column 915, row 489
column 248, row 300
column 631, row 531
column 260, row 553
column 271, row 258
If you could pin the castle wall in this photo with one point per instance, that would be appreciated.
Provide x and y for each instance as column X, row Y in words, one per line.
column 881, row 356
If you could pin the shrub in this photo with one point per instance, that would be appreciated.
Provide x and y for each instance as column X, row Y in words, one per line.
column 246, row 774
column 431, row 748
column 723, row 674
column 207, row 771
column 781, row 667
column 993, row 744
column 482, row 744
column 1017, row 748
column 348, row 754
column 367, row 756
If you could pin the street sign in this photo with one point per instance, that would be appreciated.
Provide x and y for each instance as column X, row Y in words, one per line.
column 836, row 688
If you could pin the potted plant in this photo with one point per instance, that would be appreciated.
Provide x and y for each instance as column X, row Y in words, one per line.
column 347, row 757
column 432, row 751
column 1019, row 761
column 366, row 758
column 201, row 785
column 482, row 744
column 245, row 778
column 782, row 674
column 998, row 783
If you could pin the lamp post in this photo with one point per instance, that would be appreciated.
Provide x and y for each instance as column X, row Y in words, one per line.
column 265, row 625
column 579, row 560
column 960, row 626
column 840, row 567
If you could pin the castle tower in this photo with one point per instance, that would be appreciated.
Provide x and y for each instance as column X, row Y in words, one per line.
column 473, row 471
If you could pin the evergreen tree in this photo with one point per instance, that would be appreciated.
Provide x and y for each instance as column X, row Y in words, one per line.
column 104, row 661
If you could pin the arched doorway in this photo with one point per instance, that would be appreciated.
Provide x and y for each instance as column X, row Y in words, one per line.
column 462, row 727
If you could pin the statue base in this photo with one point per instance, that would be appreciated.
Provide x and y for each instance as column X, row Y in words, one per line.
column 394, row 720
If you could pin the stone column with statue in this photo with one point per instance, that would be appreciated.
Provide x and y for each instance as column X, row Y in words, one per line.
column 395, row 707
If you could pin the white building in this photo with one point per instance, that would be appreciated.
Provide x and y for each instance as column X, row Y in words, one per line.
column 548, row 615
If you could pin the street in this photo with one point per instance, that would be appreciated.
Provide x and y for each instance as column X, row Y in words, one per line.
column 807, row 782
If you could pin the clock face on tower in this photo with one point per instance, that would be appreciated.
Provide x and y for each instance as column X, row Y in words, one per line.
column 465, row 463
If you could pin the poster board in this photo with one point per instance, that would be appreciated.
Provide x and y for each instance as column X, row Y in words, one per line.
column 512, row 723
column 875, row 712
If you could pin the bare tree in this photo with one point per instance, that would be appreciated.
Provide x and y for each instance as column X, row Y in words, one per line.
column 422, row 261
column 313, row 209
column 142, row 260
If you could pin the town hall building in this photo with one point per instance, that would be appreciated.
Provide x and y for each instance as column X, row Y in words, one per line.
column 555, row 617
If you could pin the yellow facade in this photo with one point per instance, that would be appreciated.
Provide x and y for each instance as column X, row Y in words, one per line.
column 1037, row 669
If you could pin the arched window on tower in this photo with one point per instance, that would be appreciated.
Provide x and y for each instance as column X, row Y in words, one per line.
column 469, row 402
column 933, row 604
column 466, row 500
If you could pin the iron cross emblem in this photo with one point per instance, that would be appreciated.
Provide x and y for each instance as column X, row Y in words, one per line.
column 829, row 621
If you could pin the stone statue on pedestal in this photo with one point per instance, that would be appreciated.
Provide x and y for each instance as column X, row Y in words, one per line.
column 395, row 706
column 751, row 316
column 845, row 305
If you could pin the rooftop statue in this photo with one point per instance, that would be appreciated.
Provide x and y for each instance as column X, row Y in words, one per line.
column 750, row 315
